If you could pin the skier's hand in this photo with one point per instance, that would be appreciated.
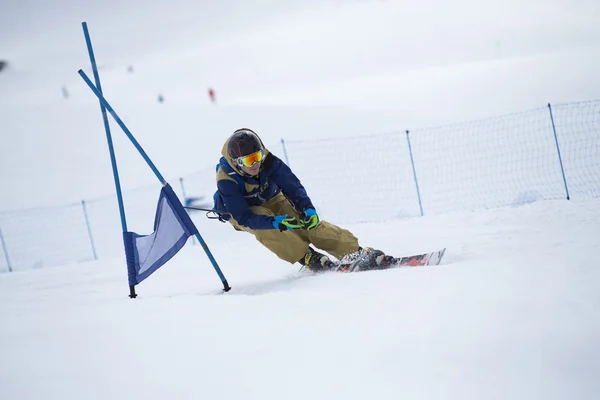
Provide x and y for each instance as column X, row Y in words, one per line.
column 311, row 219
column 284, row 222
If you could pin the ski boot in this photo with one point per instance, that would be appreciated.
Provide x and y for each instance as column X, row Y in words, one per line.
column 384, row 261
column 317, row 262
column 365, row 259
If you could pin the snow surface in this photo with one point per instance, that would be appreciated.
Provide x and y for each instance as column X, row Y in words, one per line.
column 512, row 313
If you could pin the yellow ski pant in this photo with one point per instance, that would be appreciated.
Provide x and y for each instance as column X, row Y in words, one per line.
column 292, row 245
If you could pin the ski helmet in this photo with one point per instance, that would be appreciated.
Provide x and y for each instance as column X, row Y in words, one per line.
column 243, row 142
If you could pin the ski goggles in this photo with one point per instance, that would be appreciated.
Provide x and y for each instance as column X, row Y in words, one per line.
column 250, row 159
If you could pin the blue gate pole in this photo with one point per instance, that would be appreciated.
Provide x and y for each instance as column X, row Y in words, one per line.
column 111, row 150
column 153, row 168
column 185, row 197
column 287, row 160
column 89, row 228
column 5, row 251
column 562, row 169
column 119, row 122
column 412, row 162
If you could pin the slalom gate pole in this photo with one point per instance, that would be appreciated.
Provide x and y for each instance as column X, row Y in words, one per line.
column 111, row 150
column 184, row 200
column 121, row 124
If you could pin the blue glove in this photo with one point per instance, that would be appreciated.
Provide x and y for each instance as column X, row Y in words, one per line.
column 311, row 219
column 284, row 222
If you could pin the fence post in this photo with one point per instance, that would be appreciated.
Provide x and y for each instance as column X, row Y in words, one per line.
column 186, row 203
column 89, row 228
column 562, row 169
column 5, row 251
column 412, row 162
column 287, row 160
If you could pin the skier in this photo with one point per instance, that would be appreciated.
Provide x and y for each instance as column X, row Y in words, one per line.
column 258, row 193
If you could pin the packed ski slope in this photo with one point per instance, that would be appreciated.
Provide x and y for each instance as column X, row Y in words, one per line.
column 512, row 312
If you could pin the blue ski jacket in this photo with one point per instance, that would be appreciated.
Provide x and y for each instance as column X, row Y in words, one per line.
column 237, row 191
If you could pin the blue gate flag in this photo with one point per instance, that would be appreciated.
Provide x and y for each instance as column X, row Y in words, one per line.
column 172, row 227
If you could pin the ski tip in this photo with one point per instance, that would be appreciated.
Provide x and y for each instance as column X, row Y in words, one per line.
column 436, row 257
column 442, row 252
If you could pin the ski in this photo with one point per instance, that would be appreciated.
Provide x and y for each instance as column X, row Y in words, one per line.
column 420, row 260
column 368, row 262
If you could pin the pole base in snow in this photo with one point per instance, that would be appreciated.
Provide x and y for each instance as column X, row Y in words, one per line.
column 132, row 293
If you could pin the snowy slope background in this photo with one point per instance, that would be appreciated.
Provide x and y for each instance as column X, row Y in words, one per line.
column 513, row 312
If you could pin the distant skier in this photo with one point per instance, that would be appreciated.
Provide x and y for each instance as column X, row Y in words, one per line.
column 259, row 193
column 212, row 95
